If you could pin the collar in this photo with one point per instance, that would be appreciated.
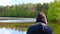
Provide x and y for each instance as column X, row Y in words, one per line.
column 41, row 23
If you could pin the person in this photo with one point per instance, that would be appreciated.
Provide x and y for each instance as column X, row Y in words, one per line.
column 41, row 26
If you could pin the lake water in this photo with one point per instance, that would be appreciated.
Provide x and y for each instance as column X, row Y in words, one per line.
column 11, row 31
column 10, row 19
column 14, row 20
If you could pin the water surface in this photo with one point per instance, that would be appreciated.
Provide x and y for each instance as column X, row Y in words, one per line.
column 19, row 25
column 11, row 31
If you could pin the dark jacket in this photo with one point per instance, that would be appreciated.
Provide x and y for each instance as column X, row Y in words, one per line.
column 39, row 29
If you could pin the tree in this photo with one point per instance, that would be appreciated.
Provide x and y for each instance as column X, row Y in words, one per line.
column 54, row 11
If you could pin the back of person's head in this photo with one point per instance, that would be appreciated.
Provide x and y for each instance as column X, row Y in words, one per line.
column 41, row 18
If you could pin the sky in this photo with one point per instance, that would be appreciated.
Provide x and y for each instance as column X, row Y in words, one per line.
column 13, row 2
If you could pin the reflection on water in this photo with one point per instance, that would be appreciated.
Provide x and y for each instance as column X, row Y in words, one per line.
column 18, row 26
column 9, row 25
column 11, row 31
column 14, row 28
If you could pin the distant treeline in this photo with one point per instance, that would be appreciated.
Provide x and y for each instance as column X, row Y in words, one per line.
column 30, row 10
column 23, row 10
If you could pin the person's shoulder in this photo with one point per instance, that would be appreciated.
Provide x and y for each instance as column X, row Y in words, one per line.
column 47, row 28
column 32, row 27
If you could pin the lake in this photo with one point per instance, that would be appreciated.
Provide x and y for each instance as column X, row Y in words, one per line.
column 14, row 25
column 15, row 19
column 9, row 25
column 14, row 28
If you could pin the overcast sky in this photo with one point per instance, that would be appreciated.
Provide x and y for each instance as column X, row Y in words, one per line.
column 13, row 2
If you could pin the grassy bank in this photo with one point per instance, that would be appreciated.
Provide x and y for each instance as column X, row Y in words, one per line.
column 17, row 26
column 55, row 26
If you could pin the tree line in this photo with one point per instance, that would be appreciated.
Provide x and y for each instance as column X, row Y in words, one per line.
column 22, row 10
column 30, row 10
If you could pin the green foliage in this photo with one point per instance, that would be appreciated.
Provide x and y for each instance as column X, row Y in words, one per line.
column 54, row 11
column 24, row 10
column 43, row 7
column 39, row 7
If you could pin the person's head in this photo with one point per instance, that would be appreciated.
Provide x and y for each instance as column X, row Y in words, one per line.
column 41, row 18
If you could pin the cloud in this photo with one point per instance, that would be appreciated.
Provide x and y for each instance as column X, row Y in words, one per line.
column 13, row 2
column 5, row 2
column 44, row 1
column 31, row 1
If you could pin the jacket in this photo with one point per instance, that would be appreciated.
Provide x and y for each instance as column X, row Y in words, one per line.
column 39, row 28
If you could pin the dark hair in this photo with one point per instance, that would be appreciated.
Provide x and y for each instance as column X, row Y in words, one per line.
column 39, row 18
